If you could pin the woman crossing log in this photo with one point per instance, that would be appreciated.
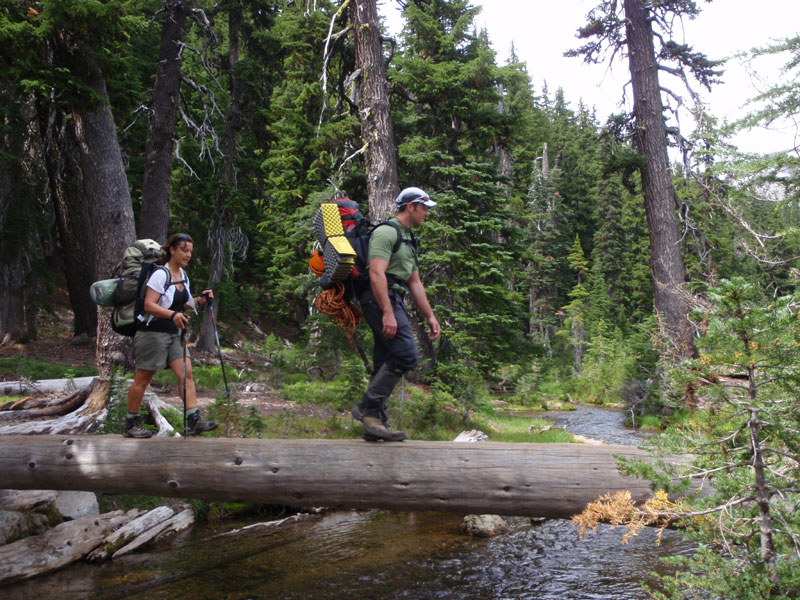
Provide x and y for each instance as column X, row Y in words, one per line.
column 157, row 343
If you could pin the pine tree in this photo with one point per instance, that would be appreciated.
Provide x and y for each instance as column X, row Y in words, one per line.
column 447, row 122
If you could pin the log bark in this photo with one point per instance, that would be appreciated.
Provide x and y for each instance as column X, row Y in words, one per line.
column 542, row 480
column 56, row 548
column 80, row 420
column 179, row 521
column 43, row 386
column 36, row 409
column 130, row 532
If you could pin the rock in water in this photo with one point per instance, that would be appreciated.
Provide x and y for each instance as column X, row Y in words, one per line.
column 485, row 525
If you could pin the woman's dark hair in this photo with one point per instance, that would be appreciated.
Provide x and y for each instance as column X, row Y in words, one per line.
column 175, row 240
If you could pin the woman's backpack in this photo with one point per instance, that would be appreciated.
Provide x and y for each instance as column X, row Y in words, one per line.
column 126, row 291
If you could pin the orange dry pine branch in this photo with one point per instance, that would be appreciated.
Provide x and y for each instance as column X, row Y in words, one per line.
column 620, row 509
column 333, row 303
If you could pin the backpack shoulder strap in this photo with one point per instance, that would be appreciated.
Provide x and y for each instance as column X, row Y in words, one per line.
column 169, row 278
column 147, row 273
column 412, row 241
column 397, row 229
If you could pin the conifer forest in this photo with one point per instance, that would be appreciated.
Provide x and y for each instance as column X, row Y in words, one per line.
column 636, row 261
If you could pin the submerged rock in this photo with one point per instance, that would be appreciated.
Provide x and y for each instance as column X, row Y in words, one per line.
column 485, row 525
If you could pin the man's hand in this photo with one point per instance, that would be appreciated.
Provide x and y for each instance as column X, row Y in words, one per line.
column 389, row 325
column 433, row 325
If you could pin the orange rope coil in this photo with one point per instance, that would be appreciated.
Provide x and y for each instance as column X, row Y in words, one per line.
column 332, row 302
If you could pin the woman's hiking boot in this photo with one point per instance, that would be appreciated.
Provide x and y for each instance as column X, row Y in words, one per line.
column 135, row 429
column 195, row 424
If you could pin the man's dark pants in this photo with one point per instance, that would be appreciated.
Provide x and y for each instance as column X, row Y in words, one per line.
column 391, row 357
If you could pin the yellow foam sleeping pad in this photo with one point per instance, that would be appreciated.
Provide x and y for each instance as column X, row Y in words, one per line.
column 338, row 252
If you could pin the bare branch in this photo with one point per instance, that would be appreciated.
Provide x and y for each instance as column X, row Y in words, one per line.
column 141, row 109
column 181, row 159
column 326, row 55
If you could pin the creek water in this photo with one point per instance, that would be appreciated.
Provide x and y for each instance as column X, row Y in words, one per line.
column 381, row 554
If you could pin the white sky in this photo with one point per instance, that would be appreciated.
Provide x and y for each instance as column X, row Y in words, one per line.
column 542, row 30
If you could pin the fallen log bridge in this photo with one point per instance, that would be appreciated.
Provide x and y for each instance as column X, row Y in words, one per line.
column 541, row 480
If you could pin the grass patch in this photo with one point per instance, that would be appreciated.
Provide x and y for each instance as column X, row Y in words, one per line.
column 205, row 376
column 22, row 367
column 292, row 426
column 649, row 422
column 522, row 429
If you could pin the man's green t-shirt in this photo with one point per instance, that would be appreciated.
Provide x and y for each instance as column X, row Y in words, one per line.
column 402, row 263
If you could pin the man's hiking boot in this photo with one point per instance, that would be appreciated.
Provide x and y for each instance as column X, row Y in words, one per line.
column 371, row 411
column 195, row 424
column 376, row 424
column 375, row 429
column 135, row 429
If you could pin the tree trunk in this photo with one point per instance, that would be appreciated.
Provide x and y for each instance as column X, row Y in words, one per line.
column 87, row 177
column 221, row 228
column 91, row 197
column 26, row 216
column 154, row 214
column 666, row 261
column 217, row 243
column 377, row 132
column 543, row 480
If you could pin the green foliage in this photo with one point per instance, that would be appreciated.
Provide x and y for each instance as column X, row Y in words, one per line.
column 744, row 446
column 205, row 376
column 608, row 365
column 116, row 405
column 523, row 429
column 331, row 393
column 649, row 422
column 527, row 388
column 699, row 576
column 254, row 423
column 429, row 414
column 466, row 385
column 22, row 367
column 776, row 105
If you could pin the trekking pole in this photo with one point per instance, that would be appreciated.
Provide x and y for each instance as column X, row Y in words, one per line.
column 210, row 301
column 183, row 343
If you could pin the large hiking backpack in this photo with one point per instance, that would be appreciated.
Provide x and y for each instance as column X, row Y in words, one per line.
column 126, row 291
column 341, row 252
